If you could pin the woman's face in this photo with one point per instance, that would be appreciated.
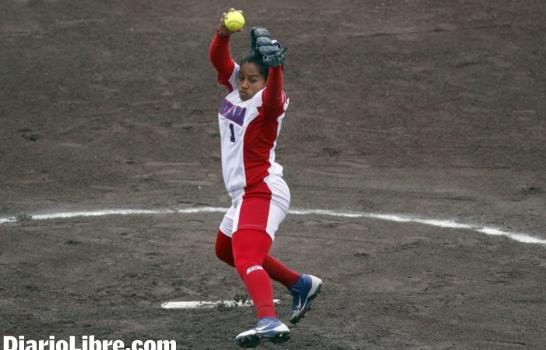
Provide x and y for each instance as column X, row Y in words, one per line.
column 249, row 81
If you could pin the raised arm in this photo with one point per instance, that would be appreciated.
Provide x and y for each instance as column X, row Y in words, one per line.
column 273, row 97
column 221, row 58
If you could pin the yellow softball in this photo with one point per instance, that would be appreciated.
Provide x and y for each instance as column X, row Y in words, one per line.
column 234, row 20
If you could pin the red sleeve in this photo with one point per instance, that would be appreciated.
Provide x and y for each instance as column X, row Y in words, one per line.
column 273, row 96
column 221, row 59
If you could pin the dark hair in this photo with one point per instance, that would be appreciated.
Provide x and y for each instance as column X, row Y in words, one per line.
column 257, row 60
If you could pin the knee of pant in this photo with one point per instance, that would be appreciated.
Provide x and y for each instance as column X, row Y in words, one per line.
column 250, row 247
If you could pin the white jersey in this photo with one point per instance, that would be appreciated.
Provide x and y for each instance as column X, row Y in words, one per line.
column 248, row 139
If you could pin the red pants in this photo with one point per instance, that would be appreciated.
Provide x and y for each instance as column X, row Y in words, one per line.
column 248, row 252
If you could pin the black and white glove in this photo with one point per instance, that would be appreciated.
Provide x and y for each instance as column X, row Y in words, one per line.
column 255, row 34
column 271, row 50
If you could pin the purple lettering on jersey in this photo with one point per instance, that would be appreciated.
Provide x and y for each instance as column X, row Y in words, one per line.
column 234, row 113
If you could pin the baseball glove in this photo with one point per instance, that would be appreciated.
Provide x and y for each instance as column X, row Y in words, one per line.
column 255, row 34
column 272, row 51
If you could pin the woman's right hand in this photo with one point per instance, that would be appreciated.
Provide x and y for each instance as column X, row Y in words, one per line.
column 221, row 29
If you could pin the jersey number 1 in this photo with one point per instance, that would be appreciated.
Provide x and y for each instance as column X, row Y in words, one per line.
column 232, row 138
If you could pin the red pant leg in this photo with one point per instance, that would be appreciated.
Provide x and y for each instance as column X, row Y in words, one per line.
column 274, row 268
column 250, row 247
column 223, row 248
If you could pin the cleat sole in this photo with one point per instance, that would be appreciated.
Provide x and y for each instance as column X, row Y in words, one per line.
column 249, row 342
column 279, row 338
column 254, row 340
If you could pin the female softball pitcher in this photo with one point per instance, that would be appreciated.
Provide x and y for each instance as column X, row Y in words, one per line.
column 250, row 120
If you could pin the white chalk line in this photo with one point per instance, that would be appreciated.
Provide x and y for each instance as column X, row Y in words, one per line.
column 106, row 212
column 488, row 230
column 209, row 304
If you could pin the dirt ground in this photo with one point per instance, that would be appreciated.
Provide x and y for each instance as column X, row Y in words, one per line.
column 427, row 108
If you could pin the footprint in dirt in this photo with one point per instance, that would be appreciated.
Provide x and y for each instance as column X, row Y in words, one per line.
column 29, row 134
column 532, row 190
column 528, row 191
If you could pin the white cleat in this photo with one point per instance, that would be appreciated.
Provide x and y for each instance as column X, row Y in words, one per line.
column 267, row 329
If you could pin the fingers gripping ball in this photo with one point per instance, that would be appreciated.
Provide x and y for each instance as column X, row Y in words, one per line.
column 234, row 20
